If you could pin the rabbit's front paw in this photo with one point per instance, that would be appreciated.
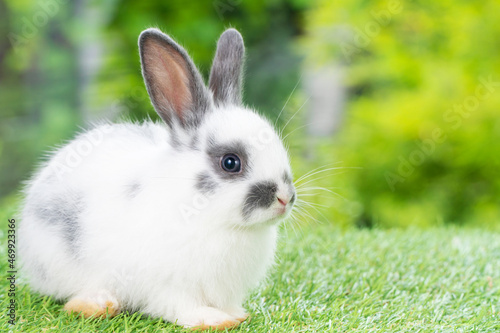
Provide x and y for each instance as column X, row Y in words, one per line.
column 239, row 313
column 205, row 318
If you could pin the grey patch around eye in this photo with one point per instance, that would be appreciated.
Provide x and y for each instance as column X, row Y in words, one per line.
column 133, row 189
column 287, row 178
column 64, row 211
column 216, row 151
column 260, row 195
column 205, row 183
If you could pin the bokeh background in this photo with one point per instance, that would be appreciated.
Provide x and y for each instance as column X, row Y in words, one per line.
column 401, row 97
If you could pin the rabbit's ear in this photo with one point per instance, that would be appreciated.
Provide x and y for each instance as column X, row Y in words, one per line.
column 227, row 68
column 175, row 86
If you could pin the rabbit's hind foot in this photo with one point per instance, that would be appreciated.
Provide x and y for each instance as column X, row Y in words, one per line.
column 98, row 305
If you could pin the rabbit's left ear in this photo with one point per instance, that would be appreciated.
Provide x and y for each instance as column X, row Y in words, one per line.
column 227, row 69
column 174, row 84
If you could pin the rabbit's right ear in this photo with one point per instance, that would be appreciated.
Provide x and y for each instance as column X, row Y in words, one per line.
column 227, row 68
column 175, row 86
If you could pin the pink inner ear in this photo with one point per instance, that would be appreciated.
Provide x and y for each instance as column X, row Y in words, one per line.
column 170, row 78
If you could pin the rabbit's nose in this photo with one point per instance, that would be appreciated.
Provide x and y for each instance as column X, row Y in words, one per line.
column 286, row 196
column 283, row 201
column 286, row 199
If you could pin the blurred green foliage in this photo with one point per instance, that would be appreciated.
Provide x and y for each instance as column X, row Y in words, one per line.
column 423, row 112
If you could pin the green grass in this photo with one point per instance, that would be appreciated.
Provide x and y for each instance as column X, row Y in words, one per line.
column 329, row 280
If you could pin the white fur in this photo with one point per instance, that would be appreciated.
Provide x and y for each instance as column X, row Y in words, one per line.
column 166, row 249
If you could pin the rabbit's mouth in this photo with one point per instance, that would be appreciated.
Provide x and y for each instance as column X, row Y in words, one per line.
column 278, row 214
column 283, row 209
column 280, row 210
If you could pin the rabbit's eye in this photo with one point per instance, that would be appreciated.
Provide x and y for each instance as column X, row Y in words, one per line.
column 230, row 163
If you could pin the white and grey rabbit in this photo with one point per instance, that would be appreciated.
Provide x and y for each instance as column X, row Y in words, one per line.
column 176, row 219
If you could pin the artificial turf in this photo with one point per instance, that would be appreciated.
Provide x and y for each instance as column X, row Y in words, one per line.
column 332, row 280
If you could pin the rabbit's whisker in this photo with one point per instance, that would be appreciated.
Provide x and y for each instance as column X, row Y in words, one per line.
column 322, row 189
column 289, row 120
column 322, row 171
column 316, row 209
column 309, row 181
column 294, row 130
column 314, row 204
column 316, row 169
column 288, row 99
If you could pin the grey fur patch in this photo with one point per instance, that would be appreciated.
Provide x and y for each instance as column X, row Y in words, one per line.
column 216, row 151
column 260, row 195
column 205, row 183
column 64, row 212
column 157, row 50
column 133, row 189
column 39, row 271
column 226, row 74
column 175, row 142
column 195, row 140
